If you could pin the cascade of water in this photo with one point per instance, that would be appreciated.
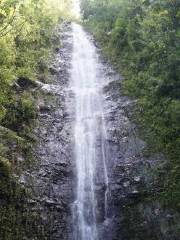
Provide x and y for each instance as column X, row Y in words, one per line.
column 89, row 127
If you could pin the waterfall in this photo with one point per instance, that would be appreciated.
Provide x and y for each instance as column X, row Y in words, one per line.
column 90, row 135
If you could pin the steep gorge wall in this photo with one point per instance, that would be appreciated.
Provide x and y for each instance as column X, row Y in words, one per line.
column 133, row 214
column 41, row 185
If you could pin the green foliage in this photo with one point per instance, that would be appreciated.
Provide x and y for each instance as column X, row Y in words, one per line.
column 26, row 28
column 25, row 41
column 19, row 113
column 142, row 38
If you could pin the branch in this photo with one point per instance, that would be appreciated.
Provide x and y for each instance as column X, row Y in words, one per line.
column 21, row 26
column 10, row 22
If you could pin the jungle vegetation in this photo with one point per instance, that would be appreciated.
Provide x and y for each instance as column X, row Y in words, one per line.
column 26, row 29
column 26, row 41
column 142, row 39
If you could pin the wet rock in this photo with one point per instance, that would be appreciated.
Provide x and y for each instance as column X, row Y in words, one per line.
column 126, row 184
column 57, row 49
column 25, row 83
column 53, row 70
column 130, row 180
column 45, row 108
column 16, row 86
column 51, row 181
column 137, row 179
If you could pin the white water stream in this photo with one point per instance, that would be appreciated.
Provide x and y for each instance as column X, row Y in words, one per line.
column 90, row 135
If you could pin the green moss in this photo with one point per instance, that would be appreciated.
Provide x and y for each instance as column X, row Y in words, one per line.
column 5, row 167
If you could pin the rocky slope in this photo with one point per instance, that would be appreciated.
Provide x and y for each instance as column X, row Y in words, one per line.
column 50, row 181
column 132, row 212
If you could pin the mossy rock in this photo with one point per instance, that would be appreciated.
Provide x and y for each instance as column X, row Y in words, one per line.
column 26, row 83
column 7, row 134
column 5, row 167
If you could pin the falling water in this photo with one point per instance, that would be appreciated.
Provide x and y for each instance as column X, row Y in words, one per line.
column 90, row 135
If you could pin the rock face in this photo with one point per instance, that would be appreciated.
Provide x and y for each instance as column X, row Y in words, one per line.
column 130, row 215
column 51, row 180
column 133, row 213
